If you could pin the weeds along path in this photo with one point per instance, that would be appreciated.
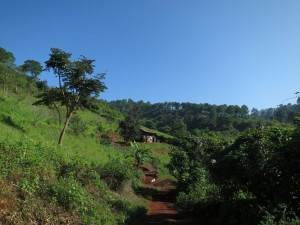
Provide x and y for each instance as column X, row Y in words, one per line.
column 162, row 208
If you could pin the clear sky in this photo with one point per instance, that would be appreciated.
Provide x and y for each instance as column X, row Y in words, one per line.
column 200, row 51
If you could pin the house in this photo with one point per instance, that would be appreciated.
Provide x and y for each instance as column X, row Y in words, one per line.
column 148, row 136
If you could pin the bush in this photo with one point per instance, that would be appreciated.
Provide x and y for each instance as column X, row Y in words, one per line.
column 69, row 194
column 78, row 126
column 131, row 213
column 202, row 193
column 115, row 172
column 270, row 219
column 259, row 162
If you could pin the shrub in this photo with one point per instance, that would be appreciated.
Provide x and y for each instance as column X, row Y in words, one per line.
column 115, row 172
column 202, row 193
column 69, row 194
column 131, row 213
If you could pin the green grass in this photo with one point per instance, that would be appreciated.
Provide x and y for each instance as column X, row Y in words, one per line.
column 41, row 124
column 160, row 151
column 58, row 184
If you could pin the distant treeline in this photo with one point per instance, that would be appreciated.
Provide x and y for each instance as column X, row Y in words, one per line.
column 283, row 113
column 175, row 117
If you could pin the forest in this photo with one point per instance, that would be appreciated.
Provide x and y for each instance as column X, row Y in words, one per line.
column 68, row 157
column 175, row 117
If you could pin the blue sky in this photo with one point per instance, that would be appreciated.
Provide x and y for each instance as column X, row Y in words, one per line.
column 201, row 51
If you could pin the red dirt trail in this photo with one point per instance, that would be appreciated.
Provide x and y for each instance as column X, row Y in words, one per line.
column 162, row 210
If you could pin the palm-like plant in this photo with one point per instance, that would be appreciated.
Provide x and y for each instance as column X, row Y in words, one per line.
column 140, row 154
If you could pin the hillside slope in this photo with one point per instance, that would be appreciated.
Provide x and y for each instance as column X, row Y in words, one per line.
column 41, row 183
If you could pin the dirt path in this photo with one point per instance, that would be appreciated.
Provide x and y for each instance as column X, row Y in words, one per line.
column 162, row 209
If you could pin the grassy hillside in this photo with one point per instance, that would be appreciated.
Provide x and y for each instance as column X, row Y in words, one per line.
column 41, row 124
column 42, row 183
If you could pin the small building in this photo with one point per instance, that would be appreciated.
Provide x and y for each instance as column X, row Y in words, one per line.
column 148, row 136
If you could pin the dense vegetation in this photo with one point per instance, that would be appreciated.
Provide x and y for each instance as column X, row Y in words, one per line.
column 252, row 180
column 283, row 113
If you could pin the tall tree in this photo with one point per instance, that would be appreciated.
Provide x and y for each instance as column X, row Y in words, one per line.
column 178, row 128
column 75, row 90
column 33, row 67
column 254, row 112
column 7, row 58
column 129, row 127
column 244, row 110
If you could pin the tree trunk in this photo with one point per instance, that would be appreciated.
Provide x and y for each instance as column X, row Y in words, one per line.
column 58, row 112
column 62, row 134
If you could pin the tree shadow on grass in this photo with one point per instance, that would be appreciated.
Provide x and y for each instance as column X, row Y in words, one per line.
column 9, row 122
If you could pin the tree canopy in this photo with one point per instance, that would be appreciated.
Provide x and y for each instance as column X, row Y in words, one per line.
column 129, row 127
column 33, row 67
column 7, row 57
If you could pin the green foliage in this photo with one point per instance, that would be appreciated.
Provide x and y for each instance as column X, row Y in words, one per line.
column 178, row 129
column 188, row 163
column 129, row 127
column 282, row 113
column 140, row 154
column 174, row 117
column 33, row 67
column 105, row 139
column 7, row 58
column 132, row 214
column 78, row 126
column 41, row 174
column 265, row 163
column 115, row 173
column 269, row 219
column 251, row 163
column 29, row 186
column 253, row 180
column 44, row 184
column 12, row 81
column 69, row 194
column 203, row 192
